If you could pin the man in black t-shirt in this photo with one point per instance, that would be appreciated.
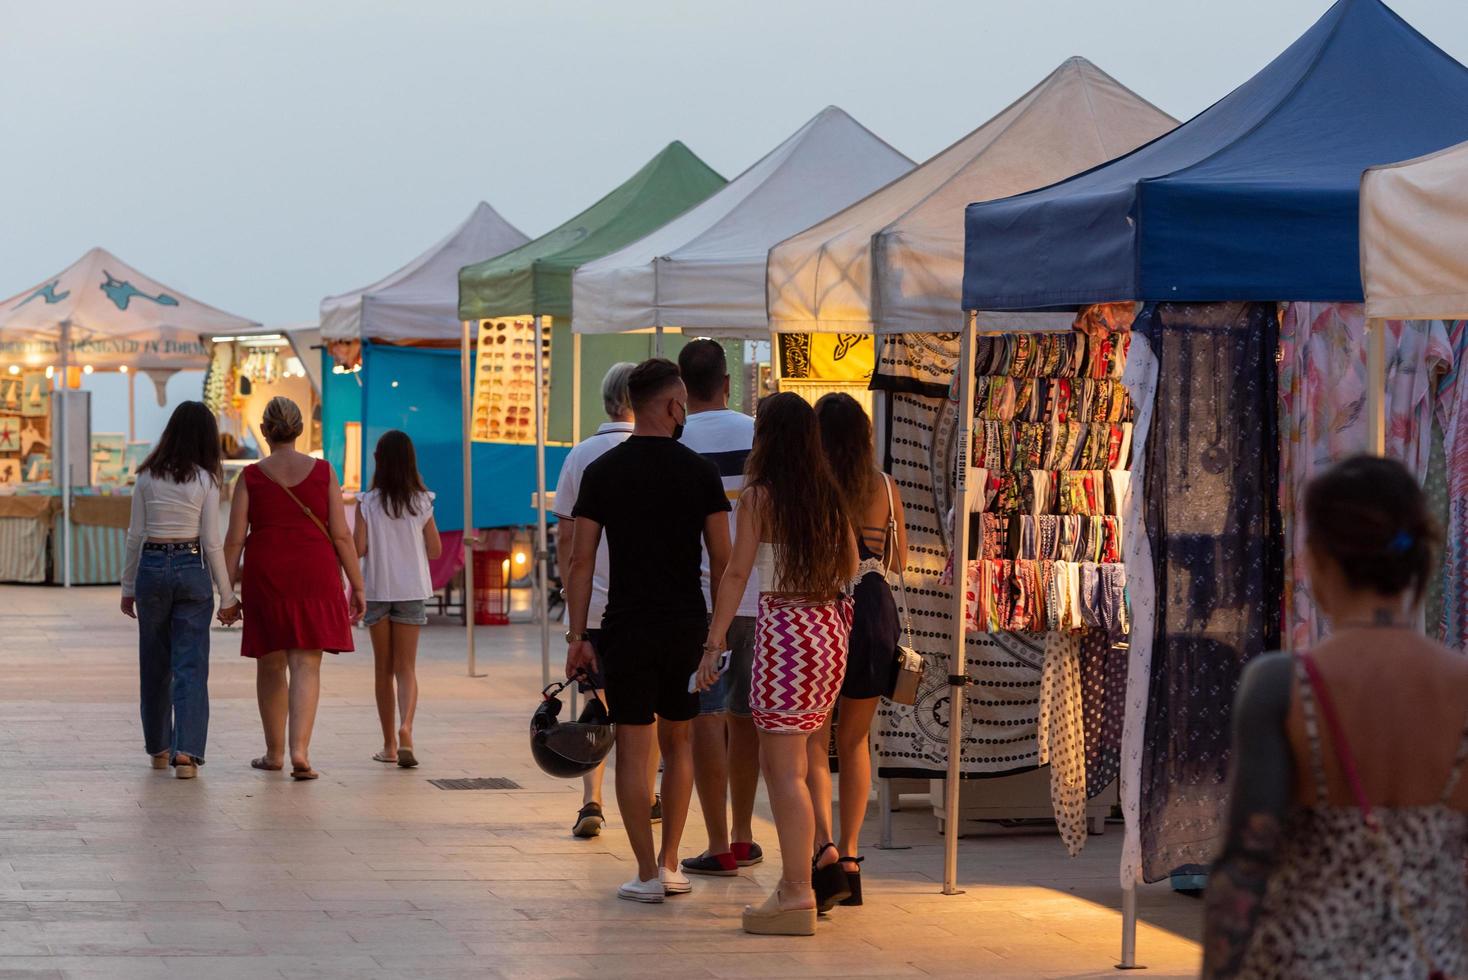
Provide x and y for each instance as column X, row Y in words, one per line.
column 658, row 502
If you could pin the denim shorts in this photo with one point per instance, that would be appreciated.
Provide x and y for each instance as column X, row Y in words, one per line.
column 406, row 612
column 731, row 691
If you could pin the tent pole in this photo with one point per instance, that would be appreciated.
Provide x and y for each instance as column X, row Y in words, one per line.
column 1376, row 385
column 65, row 460
column 657, row 343
column 1129, row 929
column 958, row 663
column 466, row 390
column 132, row 415
column 575, row 388
column 542, row 552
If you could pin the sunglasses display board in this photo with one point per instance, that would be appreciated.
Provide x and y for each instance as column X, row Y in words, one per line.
column 504, row 380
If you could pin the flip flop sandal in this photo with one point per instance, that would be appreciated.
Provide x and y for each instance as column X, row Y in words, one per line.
column 264, row 765
column 406, row 758
column 301, row 774
column 384, row 757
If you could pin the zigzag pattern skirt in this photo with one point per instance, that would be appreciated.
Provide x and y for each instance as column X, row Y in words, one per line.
column 799, row 662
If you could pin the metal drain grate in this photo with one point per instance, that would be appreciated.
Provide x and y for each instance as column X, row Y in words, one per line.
column 481, row 782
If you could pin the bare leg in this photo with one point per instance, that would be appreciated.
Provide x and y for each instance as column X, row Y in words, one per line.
column 743, row 776
column 405, row 672
column 633, row 799
column 382, row 661
column 852, row 729
column 591, row 785
column 305, row 697
column 674, row 740
column 711, row 777
column 818, row 781
column 784, row 759
column 654, row 758
column 270, row 692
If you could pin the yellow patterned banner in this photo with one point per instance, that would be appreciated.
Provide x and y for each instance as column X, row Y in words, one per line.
column 839, row 357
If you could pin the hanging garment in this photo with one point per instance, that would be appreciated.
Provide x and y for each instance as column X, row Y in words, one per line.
column 1062, row 736
column 1103, row 692
column 1210, row 475
column 1452, row 414
column 1322, row 417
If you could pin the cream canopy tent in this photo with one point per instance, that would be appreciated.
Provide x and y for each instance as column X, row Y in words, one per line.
column 420, row 301
column 103, row 313
column 1414, row 237
column 706, row 268
column 893, row 262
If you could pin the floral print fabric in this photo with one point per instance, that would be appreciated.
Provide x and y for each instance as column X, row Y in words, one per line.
column 1323, row 418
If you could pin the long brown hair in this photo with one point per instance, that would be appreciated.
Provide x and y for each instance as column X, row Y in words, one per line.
column 804, row 508
column 395, row 474
column 190, row 443
column 846, row 434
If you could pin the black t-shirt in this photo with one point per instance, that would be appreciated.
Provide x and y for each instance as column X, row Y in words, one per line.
column 652, row 495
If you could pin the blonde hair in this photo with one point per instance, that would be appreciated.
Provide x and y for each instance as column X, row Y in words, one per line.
column 281, row 421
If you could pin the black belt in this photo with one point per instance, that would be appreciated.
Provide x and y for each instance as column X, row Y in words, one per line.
column 191, row 546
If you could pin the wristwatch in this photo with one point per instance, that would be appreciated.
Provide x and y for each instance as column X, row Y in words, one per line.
column 573, row 637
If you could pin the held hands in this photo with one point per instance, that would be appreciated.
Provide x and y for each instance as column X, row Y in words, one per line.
column 229, row 615
column 129, row 607
column 580, row 656
column 357, row 606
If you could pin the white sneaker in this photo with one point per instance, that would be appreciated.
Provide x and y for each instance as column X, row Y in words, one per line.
column 638, row 890
column 675, row 882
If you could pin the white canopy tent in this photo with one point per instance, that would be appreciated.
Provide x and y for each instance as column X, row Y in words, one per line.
column 100, row 312
column 893, row 262
column 1414, row 237
column 706, row 268
column 420, row 301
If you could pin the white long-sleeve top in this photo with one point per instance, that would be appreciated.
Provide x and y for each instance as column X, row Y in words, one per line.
column 163, row 510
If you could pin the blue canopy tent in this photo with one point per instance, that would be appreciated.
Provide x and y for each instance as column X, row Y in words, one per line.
column 1255, row 199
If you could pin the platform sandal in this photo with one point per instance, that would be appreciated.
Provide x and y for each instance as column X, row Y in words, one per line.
column 853, row 880
column 830, row 882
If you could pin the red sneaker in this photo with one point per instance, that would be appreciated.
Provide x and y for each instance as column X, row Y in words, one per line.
column 722, row 865
column 747, row 853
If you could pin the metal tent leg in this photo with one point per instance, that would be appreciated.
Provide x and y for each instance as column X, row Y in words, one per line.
column 958, row 661
column 542, row 549
column 466, row 390
column 1129, row 930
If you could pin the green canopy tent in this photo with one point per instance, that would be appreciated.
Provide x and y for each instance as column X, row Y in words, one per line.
column 534, row 281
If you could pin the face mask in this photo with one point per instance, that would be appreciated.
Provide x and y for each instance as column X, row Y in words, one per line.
column 678, row 428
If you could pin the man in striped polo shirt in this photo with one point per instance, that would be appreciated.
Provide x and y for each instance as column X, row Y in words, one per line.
column 725, row 746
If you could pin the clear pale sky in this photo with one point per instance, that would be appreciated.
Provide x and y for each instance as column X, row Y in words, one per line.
column 262, row 155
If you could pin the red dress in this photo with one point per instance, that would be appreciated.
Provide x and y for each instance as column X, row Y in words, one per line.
column 292, row 583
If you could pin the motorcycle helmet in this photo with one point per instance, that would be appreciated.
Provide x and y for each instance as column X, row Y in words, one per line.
column 570, row 748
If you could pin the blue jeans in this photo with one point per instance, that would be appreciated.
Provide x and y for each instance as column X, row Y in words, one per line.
column 175, row 600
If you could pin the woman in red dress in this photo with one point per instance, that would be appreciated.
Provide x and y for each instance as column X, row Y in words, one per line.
column 287, row 518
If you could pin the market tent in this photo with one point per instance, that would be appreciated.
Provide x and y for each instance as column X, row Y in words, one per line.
column 1255, row 198
column 419, row 301
column 535, row 279
column 706, row 268
column 893, row 262
column 1414, row 237
column 110, row 315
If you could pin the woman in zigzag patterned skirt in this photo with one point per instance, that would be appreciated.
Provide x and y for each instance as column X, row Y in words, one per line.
column 792, row 531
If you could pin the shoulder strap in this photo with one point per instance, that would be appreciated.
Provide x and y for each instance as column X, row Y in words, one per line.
column 1312, row 731
column 1338, row 738
column 299, row 503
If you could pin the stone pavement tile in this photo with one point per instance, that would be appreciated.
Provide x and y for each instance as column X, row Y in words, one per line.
column 87, row 968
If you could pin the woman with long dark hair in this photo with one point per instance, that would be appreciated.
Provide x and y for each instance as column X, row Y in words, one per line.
column 791, row 531
column 288, row 520
column 173, row 549
column 874, row 509
column 1348, row 827
column 396, row 537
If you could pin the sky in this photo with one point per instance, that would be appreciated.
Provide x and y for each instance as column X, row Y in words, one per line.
column 259, row 156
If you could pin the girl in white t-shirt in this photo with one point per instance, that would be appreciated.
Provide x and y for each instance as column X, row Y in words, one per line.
column 396, row 538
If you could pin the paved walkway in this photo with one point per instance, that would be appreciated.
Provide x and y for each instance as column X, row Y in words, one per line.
column 111, row 870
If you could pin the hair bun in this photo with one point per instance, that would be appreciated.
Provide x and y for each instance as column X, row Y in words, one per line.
column 281, row 420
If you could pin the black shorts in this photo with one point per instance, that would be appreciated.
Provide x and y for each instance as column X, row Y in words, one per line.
column 647, row 668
